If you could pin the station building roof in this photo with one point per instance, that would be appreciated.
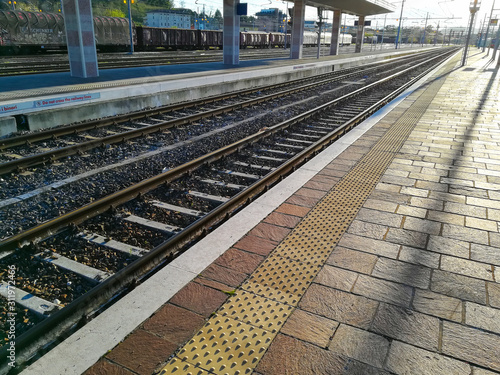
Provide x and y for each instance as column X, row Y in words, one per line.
column 355, row 7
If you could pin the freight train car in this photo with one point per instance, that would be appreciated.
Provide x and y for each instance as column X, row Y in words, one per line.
column 30, row 32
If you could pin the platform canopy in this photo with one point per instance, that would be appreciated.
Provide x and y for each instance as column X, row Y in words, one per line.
column 355, row 7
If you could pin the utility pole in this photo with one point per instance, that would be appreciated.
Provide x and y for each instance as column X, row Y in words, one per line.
column 425, row 28
column 130, row 27
column 399, row 27
column 474, row 7
column 383, row 32
column 320, row 23
column 488, row 29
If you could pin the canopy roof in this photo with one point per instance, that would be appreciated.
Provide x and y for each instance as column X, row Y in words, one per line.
column 355, row 7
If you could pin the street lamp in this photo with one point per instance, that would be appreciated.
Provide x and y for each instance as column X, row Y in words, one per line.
column 399, row 27
column 473, row 7
column 130, row 25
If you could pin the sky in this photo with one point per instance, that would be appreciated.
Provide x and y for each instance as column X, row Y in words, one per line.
column 448, row 13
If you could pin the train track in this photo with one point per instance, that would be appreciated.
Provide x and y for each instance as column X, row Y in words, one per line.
column 26, row 151
column 171, row 209
column 58, row 63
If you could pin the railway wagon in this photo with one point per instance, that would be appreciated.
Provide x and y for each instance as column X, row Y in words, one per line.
column 311, row 39
column 31, row 32
column 255, row 39
column 151, row 38
column 27, row 32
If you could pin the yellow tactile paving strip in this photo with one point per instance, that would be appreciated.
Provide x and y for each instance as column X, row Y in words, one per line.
column 234, row 340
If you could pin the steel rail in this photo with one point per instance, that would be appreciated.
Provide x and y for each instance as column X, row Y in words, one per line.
column 52, row 155
column 79, row 215
column 49, row 329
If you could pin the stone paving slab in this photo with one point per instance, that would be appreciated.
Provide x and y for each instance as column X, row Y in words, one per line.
column 412, row 287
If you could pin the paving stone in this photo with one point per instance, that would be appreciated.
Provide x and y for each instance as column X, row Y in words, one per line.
column 431, row 186
column 288, row 356
column 465, row 210
column 449, row 246
column 300, row 200
column 221, row 287
column 240, row 261
column 142, row 352
column 483, row 317
column 364, row 346
column 494, row 294
column 483, row 202
column 310, row 327
column 431, row 204
column 447, row 197
column 465, row 234
column 407, row 359
column 471, row 345
column 224, row 275
column 396, row 172
column 493, row 214
column 365, row 229
column 420, row 257
column 352, row 260
column 199, row 298
column 379, row 217
column 270, row 232
column 467, row 267
column 337, row 278
column 446, row 217
column 407, row 237
column 402, row 272
column 380, row 205
column 311, row 193
column 406, row 325
column 421, row 225
column 383, row 290
column 414, row 191
column 439, row 305
column 174, row 324
column 320, row 186
column 340, row 306
column 104, row 367
column 292, row 209
column 389, row 197
column 495, row 239
column 369, row 245
column 282, row 220
column 463, row 287
column 412, row 211
column 256, row 245
column 482, row 371
column 388, row 187
column 482, row 224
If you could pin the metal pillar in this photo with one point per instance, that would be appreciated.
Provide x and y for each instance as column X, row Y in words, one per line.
column 474, row 7
column 231, row 33
column 360, row 34
column 299, row 12
column 400, row 20
column 334, row 46
column 79, row 25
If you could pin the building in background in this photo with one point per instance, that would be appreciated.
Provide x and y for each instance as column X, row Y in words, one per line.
column 173, row 18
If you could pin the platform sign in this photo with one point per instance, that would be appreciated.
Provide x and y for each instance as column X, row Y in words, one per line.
column 42, row 103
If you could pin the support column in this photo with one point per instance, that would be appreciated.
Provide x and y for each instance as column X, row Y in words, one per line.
column 231, row 33
column 360, row 35
column 79, row 25
column 334, row 46
column 299, row 14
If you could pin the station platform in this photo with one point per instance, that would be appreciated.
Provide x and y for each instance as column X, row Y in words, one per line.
column 379, row 256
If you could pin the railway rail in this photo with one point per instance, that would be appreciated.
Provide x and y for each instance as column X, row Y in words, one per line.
column 172, row 209
column 14, row 66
